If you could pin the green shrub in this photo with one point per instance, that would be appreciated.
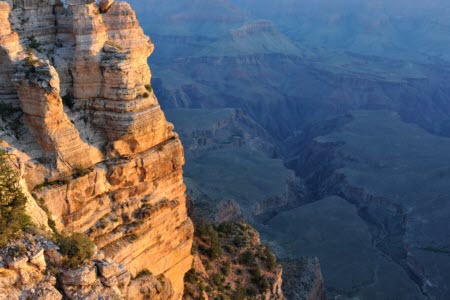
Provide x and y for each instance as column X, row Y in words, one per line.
column 215, row 247
column 271, row 261
column 255, row 272
column 251, row 291
column 263, row 284
column 17, row 250
column 191, row 276
column 148, row 87
column 33, row 43
column 76, row 248
column 218, row 279
column 144, row 272
column 259, row 279
column 30, row 62
column 49, row 183
column 13, row 219
column 226, row 228
column 247, row 258
column 79, row 171
column 202, row 231
column 146, row 95
column 51, row 223
column 240, row 294
column 226, row 268
column 230, row 248
column 208, row 234
column 115, row 45
column 240, row 241
column 189, row 290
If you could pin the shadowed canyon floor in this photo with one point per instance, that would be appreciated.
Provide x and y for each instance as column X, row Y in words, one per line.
column 399, row 185
column 332, row 230
column 356, row 114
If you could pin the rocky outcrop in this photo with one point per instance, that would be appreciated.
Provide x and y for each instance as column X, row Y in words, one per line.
column 147, row 286
column 94, row 145
column 304, row 280
column 228, row 211
column 31, row 268
column 238, row 266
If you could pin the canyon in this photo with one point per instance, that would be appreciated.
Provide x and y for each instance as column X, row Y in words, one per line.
column 319, row 82
column 329, row 138
column 87, row 148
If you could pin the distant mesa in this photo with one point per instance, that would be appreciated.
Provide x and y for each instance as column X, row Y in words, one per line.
column 256, row 27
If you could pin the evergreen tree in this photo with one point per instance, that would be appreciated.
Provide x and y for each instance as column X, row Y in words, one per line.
column 12, row 203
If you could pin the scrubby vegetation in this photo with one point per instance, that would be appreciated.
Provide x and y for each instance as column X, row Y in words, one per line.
column 211, row 245
column 143, row 273
column 80, row 171
column 237, row 265
column 13, row 219
column 148, row 87
column 76, row 248
column 115, row 45
column 160, row 147
column 50, row 183
column 51, row 223
column 30, row 62
column 33, row 43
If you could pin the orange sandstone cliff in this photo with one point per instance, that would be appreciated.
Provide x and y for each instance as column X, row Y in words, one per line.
column 91, row 143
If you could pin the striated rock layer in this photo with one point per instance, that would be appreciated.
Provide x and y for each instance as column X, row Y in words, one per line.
column 90, row 138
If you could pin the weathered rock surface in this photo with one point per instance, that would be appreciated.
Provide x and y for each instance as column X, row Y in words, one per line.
column 304, row 280
column 29, row 271
column 150, row 287
column 92, row 142
column 23, row 271
column 232, row 263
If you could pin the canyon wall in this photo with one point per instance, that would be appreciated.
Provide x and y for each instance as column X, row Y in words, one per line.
column 85, row 129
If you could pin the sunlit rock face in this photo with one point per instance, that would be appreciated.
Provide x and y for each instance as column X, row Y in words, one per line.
column 90, row 138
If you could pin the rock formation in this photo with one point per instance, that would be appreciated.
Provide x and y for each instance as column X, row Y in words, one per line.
column 305, row 280
column 87, row 134
column 231, row 263
column 32, row 267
